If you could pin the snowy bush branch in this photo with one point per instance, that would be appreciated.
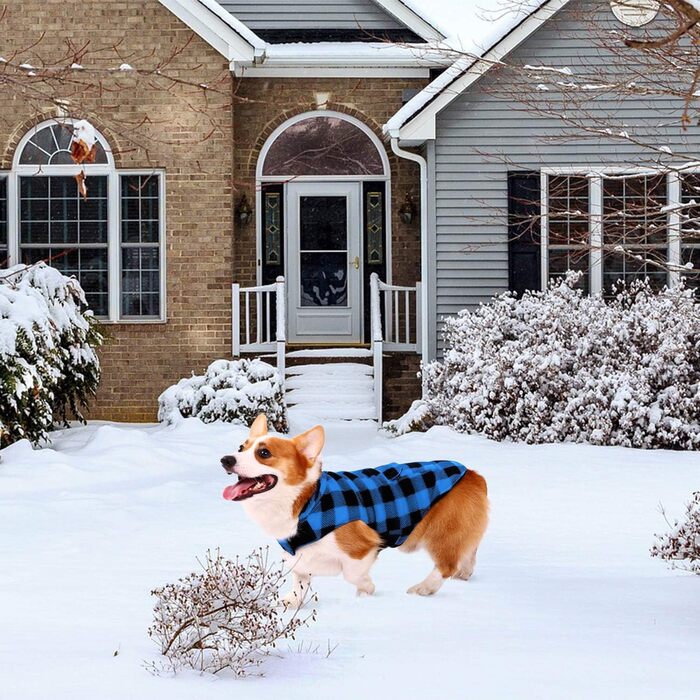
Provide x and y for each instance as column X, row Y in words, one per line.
column 48, row 365
column 681, row 545
column 231, row 391
column 563, row 366
column 227, row 617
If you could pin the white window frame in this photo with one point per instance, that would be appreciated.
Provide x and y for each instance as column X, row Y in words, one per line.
column 595, row 178
column 114, row 241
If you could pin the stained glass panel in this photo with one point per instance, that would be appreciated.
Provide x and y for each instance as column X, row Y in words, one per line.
column 374, row 217
column 273, row 229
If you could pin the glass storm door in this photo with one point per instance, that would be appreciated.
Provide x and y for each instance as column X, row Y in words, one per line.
column 323, row 262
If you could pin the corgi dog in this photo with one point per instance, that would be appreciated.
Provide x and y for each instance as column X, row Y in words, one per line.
column 331, row 523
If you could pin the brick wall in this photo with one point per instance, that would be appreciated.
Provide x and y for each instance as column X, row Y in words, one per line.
column 401, row 386
column 207, row 170
column 196, row 153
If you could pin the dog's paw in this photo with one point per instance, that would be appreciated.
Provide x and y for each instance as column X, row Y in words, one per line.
column 422, row 588
column 366, row 589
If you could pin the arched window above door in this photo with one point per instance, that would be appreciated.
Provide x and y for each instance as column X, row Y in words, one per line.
column 323, row 145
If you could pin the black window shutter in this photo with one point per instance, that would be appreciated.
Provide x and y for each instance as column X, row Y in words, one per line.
column 524, row 253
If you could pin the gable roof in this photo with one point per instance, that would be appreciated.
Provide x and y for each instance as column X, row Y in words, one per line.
column 242, row 47
column 415, row 121
column 411, row 18
column 220, row 29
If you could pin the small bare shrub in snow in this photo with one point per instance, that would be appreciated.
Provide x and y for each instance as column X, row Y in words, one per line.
column 561, row 366
column 48, row 364
column 232, row 391
column 228, row 616
column 681, row 546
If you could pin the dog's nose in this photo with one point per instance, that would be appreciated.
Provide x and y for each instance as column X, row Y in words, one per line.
column 228, row 463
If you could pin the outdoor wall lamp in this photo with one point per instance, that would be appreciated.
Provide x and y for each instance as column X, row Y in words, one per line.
column 244, row 211
column 407, row 210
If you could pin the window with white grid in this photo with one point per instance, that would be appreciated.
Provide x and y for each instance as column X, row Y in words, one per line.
column 140, row 245
column 110, row 238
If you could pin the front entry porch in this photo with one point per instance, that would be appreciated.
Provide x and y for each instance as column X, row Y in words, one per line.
column 331, row 382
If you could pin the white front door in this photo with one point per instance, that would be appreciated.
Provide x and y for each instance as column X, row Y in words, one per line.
column 324, row 268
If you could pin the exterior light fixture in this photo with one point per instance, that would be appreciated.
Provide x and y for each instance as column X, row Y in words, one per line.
column 244, row 211
column 407, row 210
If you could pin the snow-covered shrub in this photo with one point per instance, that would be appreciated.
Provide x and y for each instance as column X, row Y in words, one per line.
column 561, row 366
column 228, row 616
column 48, row 364
column 234, row 391
column 417, row 419
column 681, row 546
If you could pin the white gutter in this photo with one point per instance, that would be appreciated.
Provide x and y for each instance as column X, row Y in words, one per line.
column 423, row 165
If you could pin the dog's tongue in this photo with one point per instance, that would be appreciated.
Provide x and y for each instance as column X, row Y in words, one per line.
column 239, row 490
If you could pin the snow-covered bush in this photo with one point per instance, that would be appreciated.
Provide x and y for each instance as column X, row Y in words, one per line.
column 231, row 391
column 226, row 617
column 561, row 366
column 417, row 419
column 681, row 546
column 48, row 364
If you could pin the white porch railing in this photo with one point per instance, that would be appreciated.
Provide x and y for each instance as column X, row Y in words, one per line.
column 251, row 320
column 399, row 331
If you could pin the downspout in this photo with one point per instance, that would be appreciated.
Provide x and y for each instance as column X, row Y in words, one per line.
column 423, row 165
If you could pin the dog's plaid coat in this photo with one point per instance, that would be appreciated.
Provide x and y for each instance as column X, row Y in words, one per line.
column 391, row 499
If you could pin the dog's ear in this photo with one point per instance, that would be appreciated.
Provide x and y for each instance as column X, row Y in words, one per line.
column 259, row 427
column 310, row 443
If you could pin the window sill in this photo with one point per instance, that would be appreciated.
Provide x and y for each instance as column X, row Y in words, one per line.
column 132, row 321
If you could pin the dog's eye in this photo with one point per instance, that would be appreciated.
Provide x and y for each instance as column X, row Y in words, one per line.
column 264, row 453
column 241, row 448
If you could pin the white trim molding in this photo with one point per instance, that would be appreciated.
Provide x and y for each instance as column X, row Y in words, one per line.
column 411, row 19
column 219, row 28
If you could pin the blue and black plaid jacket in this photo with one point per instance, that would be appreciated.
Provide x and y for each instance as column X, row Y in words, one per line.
column 391, row 499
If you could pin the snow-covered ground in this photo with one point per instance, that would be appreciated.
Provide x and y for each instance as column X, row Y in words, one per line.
column 565, row 602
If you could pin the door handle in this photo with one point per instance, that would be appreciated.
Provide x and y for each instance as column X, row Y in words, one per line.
column 356, row 262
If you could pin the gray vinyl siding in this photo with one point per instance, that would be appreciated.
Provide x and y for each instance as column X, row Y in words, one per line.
column 311, row 14
column 483, row 134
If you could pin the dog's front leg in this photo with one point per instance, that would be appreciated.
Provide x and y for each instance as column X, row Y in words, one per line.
column 356, row 572
column 301, row 583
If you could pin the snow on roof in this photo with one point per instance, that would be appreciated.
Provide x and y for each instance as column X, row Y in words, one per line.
column 473, row 26
column 476, row 28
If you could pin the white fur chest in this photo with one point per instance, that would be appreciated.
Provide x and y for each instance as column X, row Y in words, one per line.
column 321, row 558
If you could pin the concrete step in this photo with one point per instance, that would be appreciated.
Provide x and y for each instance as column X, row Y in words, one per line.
column 331, row 391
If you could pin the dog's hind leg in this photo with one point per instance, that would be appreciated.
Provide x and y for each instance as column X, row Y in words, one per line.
column 431, row 584
column 451, row 532
column 466, row 566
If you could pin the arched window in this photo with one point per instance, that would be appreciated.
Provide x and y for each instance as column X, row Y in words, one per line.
column 50, row 145
column 111, row 239
column 320, row 145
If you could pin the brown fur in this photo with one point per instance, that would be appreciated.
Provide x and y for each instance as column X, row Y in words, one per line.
column 357, row 539
column 452, row 529
column 284, row 456
column 302, row 498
